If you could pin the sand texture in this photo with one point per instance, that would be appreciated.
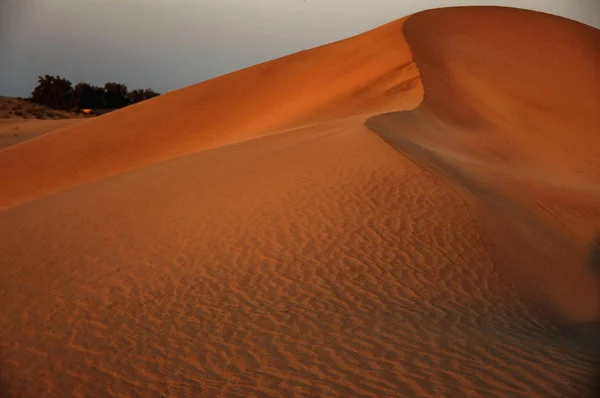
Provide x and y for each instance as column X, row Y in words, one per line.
column 14, row 131
column 411, row 212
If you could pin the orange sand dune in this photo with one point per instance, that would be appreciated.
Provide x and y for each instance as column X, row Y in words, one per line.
column 295, row 253
column 510, row 118
column 14, row 131
column 304, row 88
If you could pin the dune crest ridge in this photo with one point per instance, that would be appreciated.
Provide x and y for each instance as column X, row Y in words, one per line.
column 300, row 89
column 198, row 245
column 509, row 118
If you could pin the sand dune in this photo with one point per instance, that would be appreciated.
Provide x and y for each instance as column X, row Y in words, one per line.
column 250, row 236
column 301, row 89
column 14, row 131
column 515, row 128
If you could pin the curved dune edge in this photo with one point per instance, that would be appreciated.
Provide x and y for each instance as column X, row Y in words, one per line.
column 509, row 120
column 312, row 262
column 297, row 90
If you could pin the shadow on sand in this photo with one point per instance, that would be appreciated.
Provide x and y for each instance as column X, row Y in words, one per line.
column 4, row 387
column 592, row 331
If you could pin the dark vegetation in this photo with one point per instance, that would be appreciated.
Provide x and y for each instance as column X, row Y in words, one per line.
column 58, row 93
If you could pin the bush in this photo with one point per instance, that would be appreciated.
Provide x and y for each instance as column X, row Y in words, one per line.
column 54, row 92
column 58, row 93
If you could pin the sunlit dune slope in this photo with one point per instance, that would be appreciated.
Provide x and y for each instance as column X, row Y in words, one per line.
column 368, row 73
column 284, row 249
column 317, row 262
column 510, row 118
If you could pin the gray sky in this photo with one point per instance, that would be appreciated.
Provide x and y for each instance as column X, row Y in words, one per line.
column 169, row 44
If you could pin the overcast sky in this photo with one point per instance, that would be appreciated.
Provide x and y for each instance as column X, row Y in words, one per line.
column 169, row 44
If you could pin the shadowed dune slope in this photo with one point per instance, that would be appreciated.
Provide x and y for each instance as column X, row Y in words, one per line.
column 314, row 261
column 371, row 72
column 510, row 118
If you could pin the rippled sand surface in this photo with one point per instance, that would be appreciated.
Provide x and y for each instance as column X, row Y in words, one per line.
column 411, row 212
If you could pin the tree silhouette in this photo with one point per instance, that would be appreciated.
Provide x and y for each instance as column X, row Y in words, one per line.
column 58, row 93
column 140, row 95
column 89, row 96
column 115, row 95
column 54, row 92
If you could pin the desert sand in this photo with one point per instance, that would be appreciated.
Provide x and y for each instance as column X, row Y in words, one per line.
column 14, row 131
column 411, row 212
